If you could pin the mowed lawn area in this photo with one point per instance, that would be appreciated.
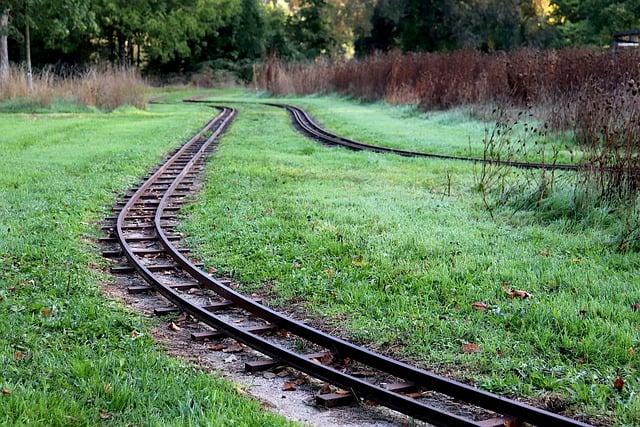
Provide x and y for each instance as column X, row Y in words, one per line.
column 399, row 254
column 68, row 355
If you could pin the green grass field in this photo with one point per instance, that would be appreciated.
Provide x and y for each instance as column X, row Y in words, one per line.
column 393, row 252
column 69, row 357
column 398, row 252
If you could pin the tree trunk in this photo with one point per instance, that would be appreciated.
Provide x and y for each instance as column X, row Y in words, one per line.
column 27, row 41
column 4, row 45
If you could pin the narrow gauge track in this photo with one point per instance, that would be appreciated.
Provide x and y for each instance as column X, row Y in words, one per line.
column 143, row 231
column 305, row 123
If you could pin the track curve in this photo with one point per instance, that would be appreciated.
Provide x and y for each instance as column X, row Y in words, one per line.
column 146, row 216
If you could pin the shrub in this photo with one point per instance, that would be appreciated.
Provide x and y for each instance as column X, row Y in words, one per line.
column 104, row 88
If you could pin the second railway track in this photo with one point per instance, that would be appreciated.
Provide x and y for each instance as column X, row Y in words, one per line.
column 143, row 234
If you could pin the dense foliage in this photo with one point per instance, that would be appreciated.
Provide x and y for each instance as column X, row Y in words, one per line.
column 179, row 35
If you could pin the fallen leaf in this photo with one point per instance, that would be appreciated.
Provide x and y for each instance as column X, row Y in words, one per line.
column 194, row 291
column 544, row 253
column 133, row 334
column 212, row 270
column 236, row 348
column 630, row 351
column 19, row 355
column 636, row 306
column 414, row 395
column 326, row 359
column 329, row 273
column 174, row 327
column 576, row 260
column 217, row 347
column 479, row 305
column 326, row 389
column 104, row 415
column 5, row 391
column 288, row 386
column 300, row 381
column 342, row 391
column 618, row 384
column 471, row 348
column 515, row 293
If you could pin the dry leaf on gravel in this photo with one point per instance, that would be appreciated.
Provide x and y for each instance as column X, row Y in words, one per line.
column 288, row 386
column 326, row 359
column 326, row 389
column 217, row 347
column 172, row 326
column 414, row 395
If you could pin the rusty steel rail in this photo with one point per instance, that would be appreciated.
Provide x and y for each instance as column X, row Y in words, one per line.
column 309, row 127
column 172, row 174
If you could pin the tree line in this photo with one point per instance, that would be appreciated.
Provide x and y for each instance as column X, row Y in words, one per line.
column 181, row 35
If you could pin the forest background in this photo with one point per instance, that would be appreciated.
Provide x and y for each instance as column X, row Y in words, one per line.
column 196, row 36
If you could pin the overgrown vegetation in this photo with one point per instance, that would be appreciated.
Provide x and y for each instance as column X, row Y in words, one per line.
column 104, row 89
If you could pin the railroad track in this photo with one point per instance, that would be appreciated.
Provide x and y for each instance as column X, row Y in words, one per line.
column 309, row 127
column 142, row 233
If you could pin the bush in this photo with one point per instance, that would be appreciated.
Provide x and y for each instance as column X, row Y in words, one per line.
column 104, row 88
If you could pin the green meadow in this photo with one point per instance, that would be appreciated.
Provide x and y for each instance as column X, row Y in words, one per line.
column 402, row 255
column 69, row 356
column 396, row 253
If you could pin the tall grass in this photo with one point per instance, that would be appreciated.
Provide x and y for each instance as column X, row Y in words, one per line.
column 104, row 88
column 444, row 80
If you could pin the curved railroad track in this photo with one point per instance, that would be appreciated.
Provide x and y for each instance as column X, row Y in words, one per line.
column 309, row 127
column 143, row 234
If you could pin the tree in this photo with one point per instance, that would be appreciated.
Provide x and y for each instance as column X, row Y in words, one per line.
column 594, row 21
column 4, row 45
column 59, row 17
column 488, row 25
column 311, row 26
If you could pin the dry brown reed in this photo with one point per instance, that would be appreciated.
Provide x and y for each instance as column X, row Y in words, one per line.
column 105, row 88
column 443, row 80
